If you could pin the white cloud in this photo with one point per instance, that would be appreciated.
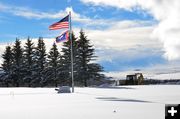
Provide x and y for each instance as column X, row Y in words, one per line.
column 123, row 35
column 36, row 14
column 165, row 11
column 125, row 4
column 119, row 34
column 31, row 13
column 129, row 38
column 128, row 41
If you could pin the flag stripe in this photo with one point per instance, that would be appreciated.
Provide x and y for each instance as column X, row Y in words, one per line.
column 63, row 23
column 59, row 25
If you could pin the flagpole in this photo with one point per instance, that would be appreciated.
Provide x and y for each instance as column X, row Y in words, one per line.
column 71, row 42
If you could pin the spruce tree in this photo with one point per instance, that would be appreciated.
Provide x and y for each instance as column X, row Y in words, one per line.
column 17, row 63
column 7, row 59
column 53, row 71
column 86, row 70
column 66, row 59
column 7, row 65
column 28, row 61
column 94, row 73
column 39, row 65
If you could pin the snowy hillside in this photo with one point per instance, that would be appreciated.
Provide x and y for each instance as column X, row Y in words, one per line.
column 129, row 102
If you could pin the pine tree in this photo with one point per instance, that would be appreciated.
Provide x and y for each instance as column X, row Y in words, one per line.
column 66, row 59
column 7, row 65
column 17, row 63
column 39, row 65
column 7, row 57
column 28, row 61
column 54, row 65
column 94, row 73
column 86, row 70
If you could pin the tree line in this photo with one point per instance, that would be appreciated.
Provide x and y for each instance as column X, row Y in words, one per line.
column 32, row 66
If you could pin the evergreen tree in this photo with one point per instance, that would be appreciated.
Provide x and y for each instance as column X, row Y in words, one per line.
column 17, row 63
column 86, row 70
column 31, row 65
column 94, row 73
column 7, row 65
column 40, row 62
column 7, row 59
column 66, row 59
column 53, row 71
column 28, row 61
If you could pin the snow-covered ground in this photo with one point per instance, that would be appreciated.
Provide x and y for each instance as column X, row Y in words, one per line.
column 126, row 102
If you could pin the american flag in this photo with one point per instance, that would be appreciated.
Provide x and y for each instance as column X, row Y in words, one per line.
column 63, row 23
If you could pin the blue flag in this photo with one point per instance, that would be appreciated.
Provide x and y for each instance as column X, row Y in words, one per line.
column 63, row 37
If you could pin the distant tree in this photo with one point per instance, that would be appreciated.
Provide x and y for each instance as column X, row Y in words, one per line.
column 17, row 63
column 66, row 59
column 54, row 64
column 7, row 65
column 39, row 64
column 28, row 61
column 86, row 70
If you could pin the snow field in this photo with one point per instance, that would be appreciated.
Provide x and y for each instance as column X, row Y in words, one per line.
column 125, row 102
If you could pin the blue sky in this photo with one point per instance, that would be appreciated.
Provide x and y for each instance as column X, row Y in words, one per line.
column 120, row 34
column 16, row 25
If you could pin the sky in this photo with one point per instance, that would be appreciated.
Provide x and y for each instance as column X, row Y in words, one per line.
column 128, row 35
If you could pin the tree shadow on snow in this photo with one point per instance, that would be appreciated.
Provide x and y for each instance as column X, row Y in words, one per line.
column 122, row 99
